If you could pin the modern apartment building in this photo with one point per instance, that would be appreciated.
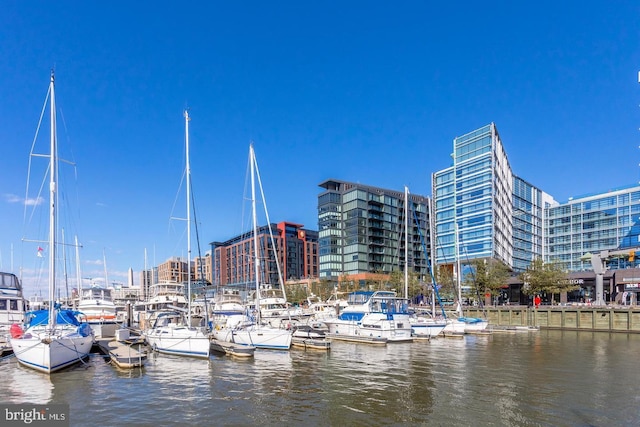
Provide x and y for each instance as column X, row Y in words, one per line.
column 203, row 268
column 591, row 224
column 529, row 204
column 296, row 247
column 361, row 230
column 174, row 269
column 482, row 210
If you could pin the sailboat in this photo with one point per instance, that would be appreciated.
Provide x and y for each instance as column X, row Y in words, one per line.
column 459, row 324
column 171, row 331
column 249, row 330
column 52, row 338
column 423, row 324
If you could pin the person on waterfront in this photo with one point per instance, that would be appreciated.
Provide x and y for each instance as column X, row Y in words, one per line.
column 536, row 301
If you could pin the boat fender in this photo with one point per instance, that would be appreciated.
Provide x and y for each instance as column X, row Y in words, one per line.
column 16, row 331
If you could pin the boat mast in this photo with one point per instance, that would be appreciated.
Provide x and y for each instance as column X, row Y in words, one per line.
column 64, row 265
column 459, row 272
column 256, row 258
column 406, row 241
column 271, row 239
column 106, row 275
column 52, row 208
column 78, row 276
column 188, row 172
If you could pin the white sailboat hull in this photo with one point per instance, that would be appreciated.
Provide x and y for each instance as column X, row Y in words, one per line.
column 465, row 326
column 181, row 340
column 427, row 329
column 257, row 336
column 48, row 353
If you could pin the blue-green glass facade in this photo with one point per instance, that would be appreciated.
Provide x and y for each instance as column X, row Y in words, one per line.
column 591, row 224
column 472, row 200
column 529, row 205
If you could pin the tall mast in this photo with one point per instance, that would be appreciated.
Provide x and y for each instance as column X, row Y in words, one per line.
column 256, row 259
column 458, row 267
column 52, row 207
column 188, row 172
column 78, row 276
column 406, row 241
column 64, row 264
column 106, row 275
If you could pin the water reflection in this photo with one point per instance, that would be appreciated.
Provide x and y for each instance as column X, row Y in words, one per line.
column 544, row 378
column 24, row 385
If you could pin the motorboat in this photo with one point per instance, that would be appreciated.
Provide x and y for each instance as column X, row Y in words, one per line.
column 12, row 307
column 98, row 309
column 378, row 314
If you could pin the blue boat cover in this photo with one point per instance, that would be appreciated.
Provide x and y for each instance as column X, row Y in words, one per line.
column 41, row 317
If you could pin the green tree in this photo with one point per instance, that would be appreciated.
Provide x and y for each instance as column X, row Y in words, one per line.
column 549, row 278
column 487, row 276
column 324, row 288
column 445, row 282
column 396, row 281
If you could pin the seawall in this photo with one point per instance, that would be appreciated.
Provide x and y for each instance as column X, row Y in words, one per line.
column 582, row 318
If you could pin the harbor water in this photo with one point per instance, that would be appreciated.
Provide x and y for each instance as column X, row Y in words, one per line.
column 543, row 378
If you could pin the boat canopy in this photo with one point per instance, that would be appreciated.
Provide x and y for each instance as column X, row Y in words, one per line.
column 63, row 317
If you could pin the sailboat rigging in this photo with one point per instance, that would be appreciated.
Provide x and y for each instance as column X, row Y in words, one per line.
column 242, row 329
column 171, row 333
column 53, row 338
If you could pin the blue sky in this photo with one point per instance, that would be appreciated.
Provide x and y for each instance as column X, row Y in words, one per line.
column 365, row 91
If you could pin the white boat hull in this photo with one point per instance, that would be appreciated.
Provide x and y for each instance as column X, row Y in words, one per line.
column 396, row 330
column 104, row 329
column 181, row 340
column 49, row 353
column 257, row 336
column 465, row 326
column 427, row 329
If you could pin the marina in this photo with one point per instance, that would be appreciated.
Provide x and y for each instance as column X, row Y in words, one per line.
column 502, row 290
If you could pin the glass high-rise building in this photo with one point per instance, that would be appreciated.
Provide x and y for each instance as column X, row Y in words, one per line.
column 482, row 210
column 473, row 200
column 529, row 205
column 592, row 224
column 361, row 230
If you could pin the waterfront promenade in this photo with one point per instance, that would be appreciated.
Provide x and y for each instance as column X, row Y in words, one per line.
column 611, row 318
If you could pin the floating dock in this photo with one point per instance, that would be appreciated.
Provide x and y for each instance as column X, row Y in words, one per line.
column 123, row 352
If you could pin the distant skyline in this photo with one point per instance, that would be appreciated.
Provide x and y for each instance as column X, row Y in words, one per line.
column 369, row 92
